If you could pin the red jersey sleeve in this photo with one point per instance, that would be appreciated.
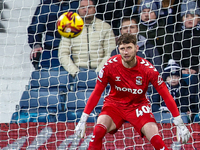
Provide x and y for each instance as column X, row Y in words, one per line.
column 94, row 98
column 161, row 88
column 101, row 84
column 169, row 101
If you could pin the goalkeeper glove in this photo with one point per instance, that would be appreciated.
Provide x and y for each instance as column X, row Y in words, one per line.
column 80, row 128
column 182, row 131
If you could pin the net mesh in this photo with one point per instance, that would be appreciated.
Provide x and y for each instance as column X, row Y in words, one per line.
column 40, row 108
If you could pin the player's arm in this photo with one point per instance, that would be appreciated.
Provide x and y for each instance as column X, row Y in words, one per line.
column 94, row 98
column 169, row 101
column 35, row 31
column 182, row 131
column 157, row 81
column 36, row 28
column 92, row 102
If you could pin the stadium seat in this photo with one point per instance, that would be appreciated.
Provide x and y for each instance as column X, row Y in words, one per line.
column 33, row 115
column 197, row 118
column 167, row 117
column 76, row 102
column 48, row 105
column 51, row 78
column 79, row 99
column 74, row 115
column 44, row 97
column 40, row 105
column 85, row 80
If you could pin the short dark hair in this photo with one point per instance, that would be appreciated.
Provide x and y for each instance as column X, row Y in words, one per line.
column 127, row 38
column 94, row 2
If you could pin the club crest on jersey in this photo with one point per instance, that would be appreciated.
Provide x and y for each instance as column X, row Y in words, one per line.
column 139, row 80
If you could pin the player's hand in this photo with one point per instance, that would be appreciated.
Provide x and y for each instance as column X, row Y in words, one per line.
column 35, row 50
column 80, row 129
column 81, row 126
column 182, row 131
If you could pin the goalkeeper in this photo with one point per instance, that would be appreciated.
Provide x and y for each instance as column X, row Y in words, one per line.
column 129, row 76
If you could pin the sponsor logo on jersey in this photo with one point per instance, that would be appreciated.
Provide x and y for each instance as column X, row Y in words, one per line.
column 133, row 91
column 117, row 78
column 139, row 80
column 160, row 80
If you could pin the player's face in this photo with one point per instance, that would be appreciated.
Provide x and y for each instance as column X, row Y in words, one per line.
column 128, row 53
column 147, row 15
column 190, row 20
column 86, row 9
column 173, row 80
column 129, row 27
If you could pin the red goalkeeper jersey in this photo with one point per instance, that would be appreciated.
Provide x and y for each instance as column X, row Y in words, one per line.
column 128, row 86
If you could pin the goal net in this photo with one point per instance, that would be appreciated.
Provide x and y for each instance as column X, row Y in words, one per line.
column 41, row 106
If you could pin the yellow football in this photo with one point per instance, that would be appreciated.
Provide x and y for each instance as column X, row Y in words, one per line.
column 70, row 24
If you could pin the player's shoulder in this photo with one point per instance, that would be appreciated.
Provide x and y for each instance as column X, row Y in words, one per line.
column 145, row 64
column 113, row 61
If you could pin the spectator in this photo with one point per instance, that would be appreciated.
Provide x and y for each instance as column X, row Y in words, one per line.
column 187, row 39
column 157, row 2
column 170, row 13
column 183, row 95
column 92, row 48
column 43, row 26
column 146, row 50
column 154, row 29
column 110, row 11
